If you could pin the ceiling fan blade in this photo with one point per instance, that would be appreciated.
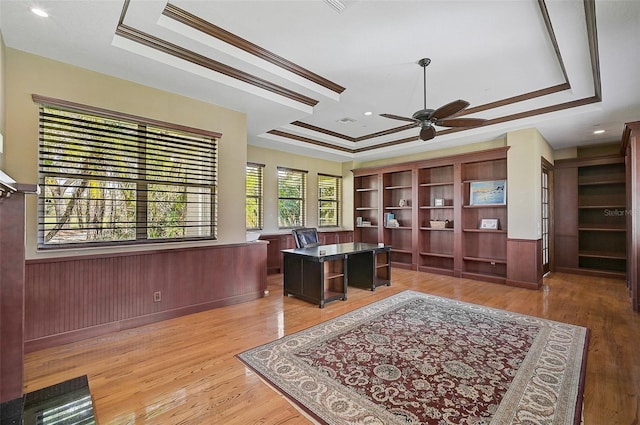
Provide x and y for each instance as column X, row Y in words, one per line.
column 398, row 117
column 461, row 122
column 449, row 109
column 427, row 133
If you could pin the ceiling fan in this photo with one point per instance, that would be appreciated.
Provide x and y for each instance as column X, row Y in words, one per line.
column 444, row 116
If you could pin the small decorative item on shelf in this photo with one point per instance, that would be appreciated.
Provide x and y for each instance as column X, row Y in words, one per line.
column 489, row 224
column 366, row 223
column 438, row 202
column 387, row 217
column 393, row 223
column 403, row 203
column 358, row 221
column 439, row 224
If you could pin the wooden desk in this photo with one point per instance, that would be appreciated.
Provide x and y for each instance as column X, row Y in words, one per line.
column 321, row 274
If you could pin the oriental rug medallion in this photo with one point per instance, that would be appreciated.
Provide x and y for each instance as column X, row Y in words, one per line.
column 414, row 358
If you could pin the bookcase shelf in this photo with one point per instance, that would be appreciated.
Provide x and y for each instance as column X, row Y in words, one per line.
column 367, row 208
column 591, row 209
column 421, row 192
column 433, row 207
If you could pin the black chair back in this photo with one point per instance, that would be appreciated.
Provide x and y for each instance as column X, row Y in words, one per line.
column 306, row 237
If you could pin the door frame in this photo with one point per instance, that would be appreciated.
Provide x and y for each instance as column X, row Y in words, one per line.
column 547, row 168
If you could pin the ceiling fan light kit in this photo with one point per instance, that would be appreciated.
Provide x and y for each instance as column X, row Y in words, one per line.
column 444, row 116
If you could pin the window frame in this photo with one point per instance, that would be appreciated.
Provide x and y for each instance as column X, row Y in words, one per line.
column 337, row 201
column 259, row 197
column 170, row 129
column 302, row 199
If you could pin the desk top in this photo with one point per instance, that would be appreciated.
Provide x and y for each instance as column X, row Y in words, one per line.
column 336, row 249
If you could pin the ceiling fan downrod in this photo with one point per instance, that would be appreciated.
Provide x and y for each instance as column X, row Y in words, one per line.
column 424, row 62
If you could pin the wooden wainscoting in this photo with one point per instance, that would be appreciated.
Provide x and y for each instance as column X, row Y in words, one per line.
column 11, row 289
column 524, row 263
column 72, row 298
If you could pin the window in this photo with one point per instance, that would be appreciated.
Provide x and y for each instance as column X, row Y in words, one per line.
column 292, row 189
column 112, row 180
column 255, row 190
column 329, row 195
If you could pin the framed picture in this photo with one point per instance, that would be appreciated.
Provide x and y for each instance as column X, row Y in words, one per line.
column 489, row 223
column 490, row 192
column 438, row 202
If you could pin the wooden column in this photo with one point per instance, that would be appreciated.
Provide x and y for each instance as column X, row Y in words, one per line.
column 11, row 296
column 631, row 150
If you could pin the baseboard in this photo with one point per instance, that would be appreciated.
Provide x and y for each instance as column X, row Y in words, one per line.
column 522, row 284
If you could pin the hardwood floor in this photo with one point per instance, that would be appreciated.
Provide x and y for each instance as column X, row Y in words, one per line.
column 183, row 371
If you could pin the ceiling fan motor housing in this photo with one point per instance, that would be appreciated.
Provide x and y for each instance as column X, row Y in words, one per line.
column 422, row 114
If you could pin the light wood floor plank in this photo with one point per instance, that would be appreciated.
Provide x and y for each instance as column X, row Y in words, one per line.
column 183, row 371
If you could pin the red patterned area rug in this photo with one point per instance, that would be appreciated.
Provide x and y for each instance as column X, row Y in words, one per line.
column 414, row 358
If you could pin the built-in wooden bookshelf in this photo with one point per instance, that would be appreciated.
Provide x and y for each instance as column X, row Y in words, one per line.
column 367, row 208
column 436, row 227
column 435, row 219
column 398, row 216
column 484, row 249
column 590, row 204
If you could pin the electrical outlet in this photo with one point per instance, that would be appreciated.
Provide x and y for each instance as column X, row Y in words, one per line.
column 157, row 297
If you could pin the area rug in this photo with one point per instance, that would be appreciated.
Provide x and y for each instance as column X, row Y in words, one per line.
column 414, row 358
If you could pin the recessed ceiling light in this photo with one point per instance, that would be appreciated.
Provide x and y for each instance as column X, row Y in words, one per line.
column 368, row 113
column 598, row 132
column 39, row 12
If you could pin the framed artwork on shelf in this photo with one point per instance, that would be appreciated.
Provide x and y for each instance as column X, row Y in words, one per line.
column 438, row 202
column 490, row 192
column 489, row 223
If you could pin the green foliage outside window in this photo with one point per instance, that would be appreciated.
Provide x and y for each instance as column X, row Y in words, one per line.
column 254, row 208
column 329, row 194
column 115, row 181
column 292, row 188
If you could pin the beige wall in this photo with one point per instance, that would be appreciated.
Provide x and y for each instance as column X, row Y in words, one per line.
column 273, row 159
column 26, row 74
column 524, row 185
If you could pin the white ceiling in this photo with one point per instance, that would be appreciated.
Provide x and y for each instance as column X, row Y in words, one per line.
column 501, row 56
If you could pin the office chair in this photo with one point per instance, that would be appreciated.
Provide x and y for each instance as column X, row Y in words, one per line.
column 306, row 237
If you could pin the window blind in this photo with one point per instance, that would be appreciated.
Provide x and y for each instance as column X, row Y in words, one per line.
column 107, row 180
column 255, row 194
column 292, row 190
column 329, row 196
